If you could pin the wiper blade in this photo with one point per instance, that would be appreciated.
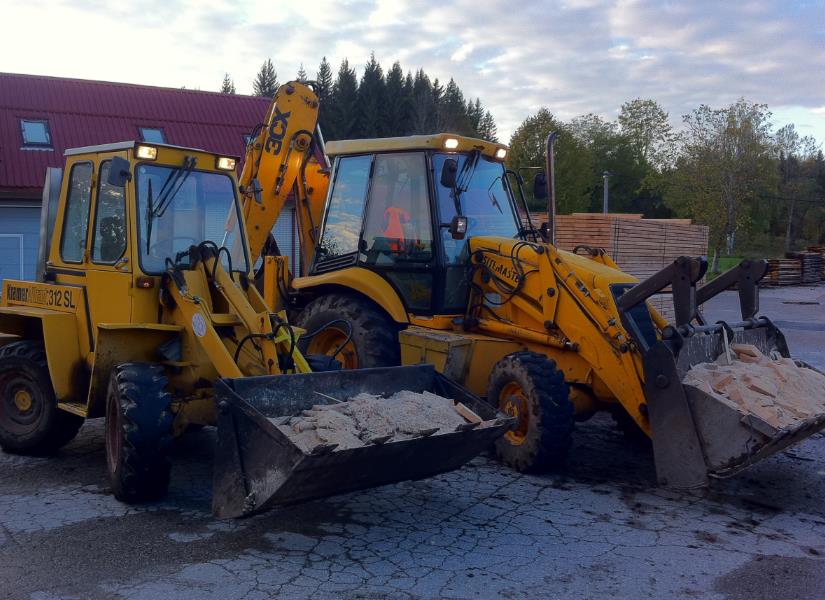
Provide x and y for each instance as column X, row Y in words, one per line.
column 150, row 209
column 174, row 182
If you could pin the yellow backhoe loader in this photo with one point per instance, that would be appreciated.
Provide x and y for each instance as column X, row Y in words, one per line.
column 145, row 313
column 420, row 248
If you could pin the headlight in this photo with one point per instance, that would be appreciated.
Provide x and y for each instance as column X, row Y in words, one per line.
column 501, row 153
column 147, row 152
column 224, row 163
column 451, row 143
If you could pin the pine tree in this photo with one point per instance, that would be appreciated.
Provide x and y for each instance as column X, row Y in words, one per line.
column 302, row 74
column 438, row 123
column 453, row 111
column 423, row 106
column 323, row 80
column 475, row 113
column 408, row 101
column 228, row 86
column 396, row 117
column 344, row 115
column 487, row 129
column 372, row 92
column 266, row 81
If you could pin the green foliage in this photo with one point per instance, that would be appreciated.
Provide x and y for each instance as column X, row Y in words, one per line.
column 266, row 81
column 760, row 191
column 395, row 104
column 228, row 86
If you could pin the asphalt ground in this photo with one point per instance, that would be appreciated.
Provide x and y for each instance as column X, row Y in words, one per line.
column 601, row 529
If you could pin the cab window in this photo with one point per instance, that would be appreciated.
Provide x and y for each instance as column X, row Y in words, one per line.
column 109, row 241
column 346, row 207
column 398, row 227
column 76, row 215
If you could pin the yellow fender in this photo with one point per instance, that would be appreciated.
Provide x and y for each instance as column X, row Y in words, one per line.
column 365, row 282
column 58, row 330
column 119, row 343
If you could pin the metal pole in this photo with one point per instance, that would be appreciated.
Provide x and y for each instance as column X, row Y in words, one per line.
column 551, row 181
column 606, row 176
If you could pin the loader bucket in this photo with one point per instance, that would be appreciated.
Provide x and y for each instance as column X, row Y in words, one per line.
column 257, row 466
column 697, row 436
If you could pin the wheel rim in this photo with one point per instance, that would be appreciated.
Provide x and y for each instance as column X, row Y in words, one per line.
column 513, row 401
column 328, row 341
column 21, row 403
column 114, row 439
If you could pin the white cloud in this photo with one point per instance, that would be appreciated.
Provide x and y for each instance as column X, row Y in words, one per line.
column 573, row 56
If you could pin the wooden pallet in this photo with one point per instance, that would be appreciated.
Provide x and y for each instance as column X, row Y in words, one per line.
column 821, row 251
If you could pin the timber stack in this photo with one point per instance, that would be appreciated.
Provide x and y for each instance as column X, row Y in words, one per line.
column 821, row 251
column 783, row 271
column 810, row 263
column 639, row 246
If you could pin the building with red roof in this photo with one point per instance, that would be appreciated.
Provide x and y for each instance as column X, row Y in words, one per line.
column 41, row 117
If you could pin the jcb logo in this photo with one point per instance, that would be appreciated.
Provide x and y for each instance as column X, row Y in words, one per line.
column 277, row 131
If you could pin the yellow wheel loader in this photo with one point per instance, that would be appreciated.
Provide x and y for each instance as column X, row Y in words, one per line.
column 145, row 314
column 420, row 248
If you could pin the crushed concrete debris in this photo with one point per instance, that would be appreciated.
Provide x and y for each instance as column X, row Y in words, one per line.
column 368, row 419
column 775, row 390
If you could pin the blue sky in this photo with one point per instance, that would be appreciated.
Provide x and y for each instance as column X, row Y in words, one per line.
column 572, row 56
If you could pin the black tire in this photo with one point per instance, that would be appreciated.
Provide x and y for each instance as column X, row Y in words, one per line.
column 374, row 340
column 138, row 432
column 30, row 421
column 529, row 386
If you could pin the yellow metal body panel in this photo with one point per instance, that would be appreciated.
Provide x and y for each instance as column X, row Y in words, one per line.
column 414, row 142
column 119, row 343
column 58, row 330
column 360, row 280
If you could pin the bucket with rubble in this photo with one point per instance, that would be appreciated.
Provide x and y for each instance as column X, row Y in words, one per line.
column 287, row 439
column 722, row 401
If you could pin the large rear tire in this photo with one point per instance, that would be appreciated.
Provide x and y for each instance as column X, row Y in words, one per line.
column 528, row 386
column 30, row 421
column 138, row 432
column 374, row 341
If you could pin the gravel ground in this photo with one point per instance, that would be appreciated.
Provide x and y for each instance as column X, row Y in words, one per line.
column 602, row 529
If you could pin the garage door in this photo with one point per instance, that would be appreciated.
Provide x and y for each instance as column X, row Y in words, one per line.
column 19, row 232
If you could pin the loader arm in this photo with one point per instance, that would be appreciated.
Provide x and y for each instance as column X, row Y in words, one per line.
column 229, row 320
column 285, row 156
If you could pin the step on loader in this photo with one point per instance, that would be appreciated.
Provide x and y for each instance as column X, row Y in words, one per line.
column 145, row 313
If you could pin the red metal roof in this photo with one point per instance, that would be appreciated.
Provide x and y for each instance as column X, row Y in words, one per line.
column 85, row 113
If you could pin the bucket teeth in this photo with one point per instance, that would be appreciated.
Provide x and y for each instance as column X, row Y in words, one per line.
column 322, row 449
column 381, row 439
column 426, row 432
column 467, row 426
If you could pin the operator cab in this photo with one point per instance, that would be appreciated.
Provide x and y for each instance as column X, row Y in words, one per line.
column 391, row 209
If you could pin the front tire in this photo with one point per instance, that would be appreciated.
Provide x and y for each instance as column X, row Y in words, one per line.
column 30, row 421
column 138, row 432
column 529, row 387
column 374, row 341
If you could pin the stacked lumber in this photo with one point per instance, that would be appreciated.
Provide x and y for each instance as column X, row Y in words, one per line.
column 821, row 251
column 783, row 271
column 811, row 265
column 641, row 247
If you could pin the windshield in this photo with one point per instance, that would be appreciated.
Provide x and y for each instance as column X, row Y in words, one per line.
column 485, row 201
column 200, row 207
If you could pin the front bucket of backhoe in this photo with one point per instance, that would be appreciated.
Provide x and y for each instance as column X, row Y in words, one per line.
column 257, row 466
column 698, row 433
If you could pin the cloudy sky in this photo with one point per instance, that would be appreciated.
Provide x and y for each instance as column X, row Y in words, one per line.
column 573, row 56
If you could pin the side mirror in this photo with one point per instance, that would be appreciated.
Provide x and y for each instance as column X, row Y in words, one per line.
column 540, row 186
column 458, row 227
column 119, row 173
column 449, row 173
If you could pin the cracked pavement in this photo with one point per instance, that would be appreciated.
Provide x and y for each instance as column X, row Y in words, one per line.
column 603, row 528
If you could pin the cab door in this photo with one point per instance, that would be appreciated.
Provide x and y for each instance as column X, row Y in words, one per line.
column 108, row 255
